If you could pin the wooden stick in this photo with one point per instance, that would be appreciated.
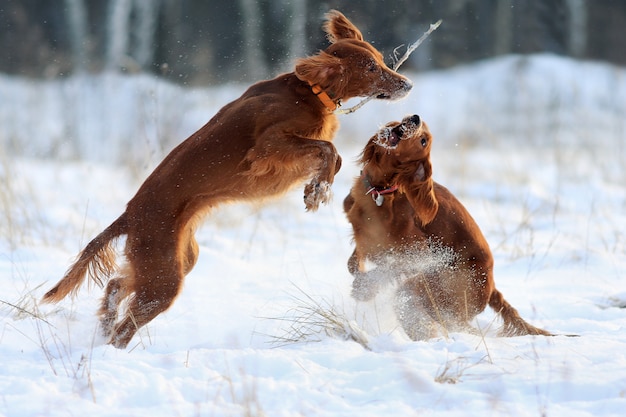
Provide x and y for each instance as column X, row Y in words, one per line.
column 413, row 47
column 409, row 51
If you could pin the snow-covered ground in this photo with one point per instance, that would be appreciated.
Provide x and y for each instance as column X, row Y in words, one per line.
column 535, row 147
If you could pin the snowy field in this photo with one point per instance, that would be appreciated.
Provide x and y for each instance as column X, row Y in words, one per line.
column 535, row 147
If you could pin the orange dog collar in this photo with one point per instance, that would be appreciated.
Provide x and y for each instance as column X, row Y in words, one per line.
column 324, row 97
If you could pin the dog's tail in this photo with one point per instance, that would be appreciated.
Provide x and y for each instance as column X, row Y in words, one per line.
column 514, row 325
column 96, row 260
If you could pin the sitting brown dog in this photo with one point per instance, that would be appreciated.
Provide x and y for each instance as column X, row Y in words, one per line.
column 416, row 232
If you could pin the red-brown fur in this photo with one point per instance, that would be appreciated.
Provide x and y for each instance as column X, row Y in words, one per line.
column 276, row 135
column 422, row 237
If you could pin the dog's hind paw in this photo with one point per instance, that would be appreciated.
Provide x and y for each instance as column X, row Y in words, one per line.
column 316, row 193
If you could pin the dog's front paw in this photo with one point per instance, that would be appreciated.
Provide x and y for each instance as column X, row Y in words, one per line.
column 316, row 193
column 364, row 288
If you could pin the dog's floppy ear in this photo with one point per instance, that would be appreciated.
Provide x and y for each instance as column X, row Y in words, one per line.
column 368, row 152
column 418, row 187
column 319, row 69
column 338, row 27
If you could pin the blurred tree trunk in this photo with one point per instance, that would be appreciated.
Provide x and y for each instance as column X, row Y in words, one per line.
column 577, row 28
column 130, row 37
column 212, row 41
column 297, row 29
column 503, row 38
column 252, row 27
column 78, row 34
column 117, row 37
column 144, row 31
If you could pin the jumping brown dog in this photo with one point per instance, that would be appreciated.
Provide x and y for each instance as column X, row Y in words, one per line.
column 276, row 135
column 417, row 233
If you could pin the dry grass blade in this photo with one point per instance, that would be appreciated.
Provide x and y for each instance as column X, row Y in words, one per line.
column 23, row 311
column 309, row 319
column 453, row 370
column 26, row 306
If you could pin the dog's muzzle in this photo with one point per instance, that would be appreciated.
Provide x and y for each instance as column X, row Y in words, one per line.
column 401, row 90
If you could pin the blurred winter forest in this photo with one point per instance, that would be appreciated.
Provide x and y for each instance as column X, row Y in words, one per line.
column 203, row 42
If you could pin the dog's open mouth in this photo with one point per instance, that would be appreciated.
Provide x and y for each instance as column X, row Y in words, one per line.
column 395, row 136
column 390, row 137
column 387, row 138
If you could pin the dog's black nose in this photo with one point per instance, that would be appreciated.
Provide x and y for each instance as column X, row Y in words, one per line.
column 415, row 119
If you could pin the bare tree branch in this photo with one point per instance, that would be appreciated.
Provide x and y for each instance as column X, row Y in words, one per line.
column 409, row 51
column 413, row 47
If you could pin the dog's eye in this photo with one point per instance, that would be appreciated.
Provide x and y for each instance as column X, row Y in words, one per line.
column 424, row 142
column 372, row 67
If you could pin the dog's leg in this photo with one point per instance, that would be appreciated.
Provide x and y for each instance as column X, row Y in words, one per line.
column 147, row 303
column 191, row 254
column 158, row 271
column 367, row 284
column 115, row 292
column 318, row 190
column 291, row 159
column 353, row 263
column 364, row 286
column 412, row 314
column 348, row 202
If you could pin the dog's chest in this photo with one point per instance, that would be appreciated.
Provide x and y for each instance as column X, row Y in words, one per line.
column 391, row 223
